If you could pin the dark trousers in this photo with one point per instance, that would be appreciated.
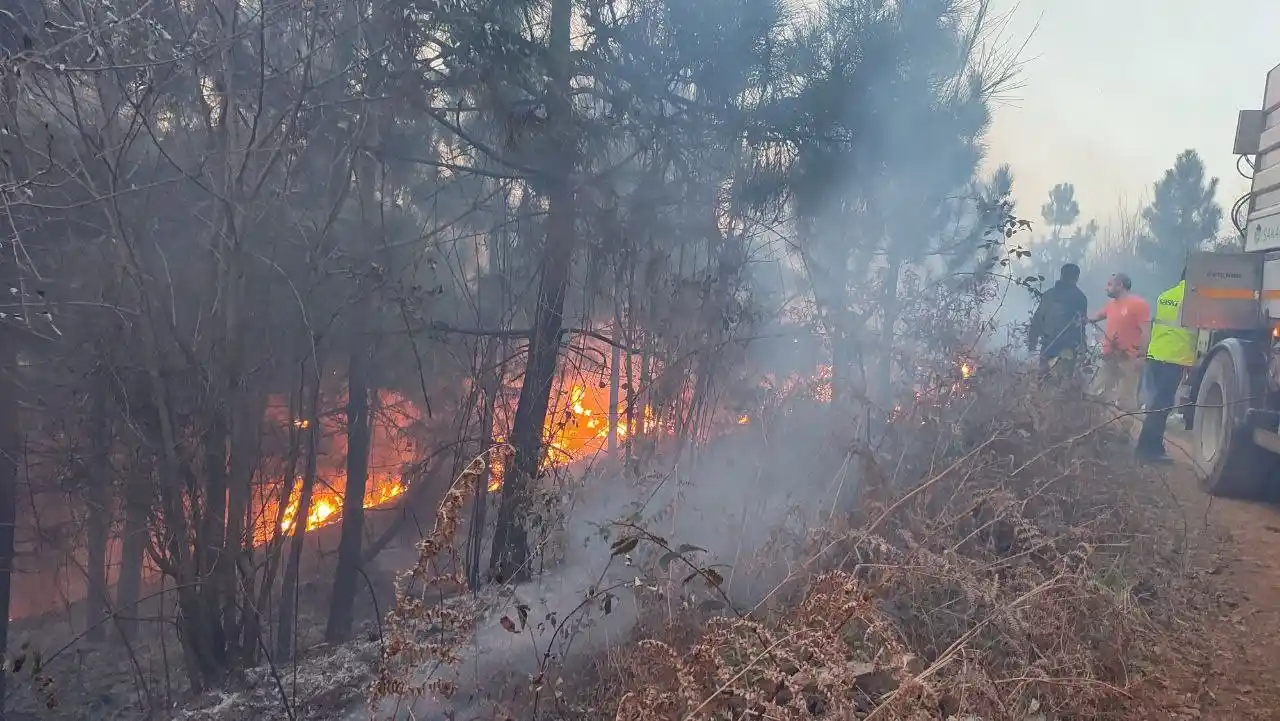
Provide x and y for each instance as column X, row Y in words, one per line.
column 1058, row 361
column 1160, row 382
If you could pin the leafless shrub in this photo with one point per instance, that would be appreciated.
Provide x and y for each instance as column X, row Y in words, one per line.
column 1007, row 581
column 999, row 562
column 421, row 632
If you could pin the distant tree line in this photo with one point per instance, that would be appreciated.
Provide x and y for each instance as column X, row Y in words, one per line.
column 1149, row 243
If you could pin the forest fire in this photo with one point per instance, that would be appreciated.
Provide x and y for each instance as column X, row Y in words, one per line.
column 576, row 428
column 326, row 506
column 817, row 387
column 938, row 394
column 391, row 448
column 582, row 428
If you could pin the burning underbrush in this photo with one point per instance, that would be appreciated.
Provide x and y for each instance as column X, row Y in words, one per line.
column 991, row 557
column 394, row 446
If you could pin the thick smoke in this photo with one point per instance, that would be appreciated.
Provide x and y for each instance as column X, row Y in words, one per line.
column 905, row 197
column 744, row 492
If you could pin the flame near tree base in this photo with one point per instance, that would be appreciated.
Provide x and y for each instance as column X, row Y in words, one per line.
column 393, row 431
column 577, row 428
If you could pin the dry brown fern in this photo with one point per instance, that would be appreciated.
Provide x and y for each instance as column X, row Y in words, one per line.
column 424, row 636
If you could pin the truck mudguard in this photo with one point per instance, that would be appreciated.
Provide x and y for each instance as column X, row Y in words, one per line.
column 1249, row 365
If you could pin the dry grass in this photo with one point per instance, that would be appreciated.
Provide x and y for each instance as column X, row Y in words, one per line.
column 421, row 631
column 1007, row 583
column 1004, row 560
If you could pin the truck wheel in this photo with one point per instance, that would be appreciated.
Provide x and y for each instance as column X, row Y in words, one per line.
column 1228, row 462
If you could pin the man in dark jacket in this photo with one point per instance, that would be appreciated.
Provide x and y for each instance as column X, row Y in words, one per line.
column 1057, row 327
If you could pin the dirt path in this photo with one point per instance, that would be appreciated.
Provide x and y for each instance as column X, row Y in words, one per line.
column 1235, row 547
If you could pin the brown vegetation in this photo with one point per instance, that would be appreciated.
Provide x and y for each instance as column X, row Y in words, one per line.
column 1003, row 560
column 385, row 265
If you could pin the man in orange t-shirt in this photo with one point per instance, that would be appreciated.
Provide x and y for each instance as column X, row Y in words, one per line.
column 1124, row 346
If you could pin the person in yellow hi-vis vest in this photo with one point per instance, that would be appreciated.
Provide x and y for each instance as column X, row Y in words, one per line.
column 1170, row 353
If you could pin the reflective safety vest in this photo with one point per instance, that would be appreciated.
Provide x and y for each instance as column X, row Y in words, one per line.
column 1170, row 342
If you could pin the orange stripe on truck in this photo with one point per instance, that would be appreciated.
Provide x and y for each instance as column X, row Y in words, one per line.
column 1235, row 294
column 1226, row 293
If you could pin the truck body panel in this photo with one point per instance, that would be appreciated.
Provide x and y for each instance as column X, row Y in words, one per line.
column 1224, row 291
column 1262, row 228
column 1233, row 300
column 1270, row 283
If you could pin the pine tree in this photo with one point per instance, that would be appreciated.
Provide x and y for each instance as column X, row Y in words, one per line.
column 1060, row 213
column 1182, row 217
column 1062, row 209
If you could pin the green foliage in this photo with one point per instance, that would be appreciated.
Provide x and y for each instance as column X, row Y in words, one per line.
column 1058, row 249
column 1183, row 216
column 1066, row 242
column 1062, row 209
column 892, row 120
column 379, row 187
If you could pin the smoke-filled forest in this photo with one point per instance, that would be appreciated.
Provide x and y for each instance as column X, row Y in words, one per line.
column 634, row 359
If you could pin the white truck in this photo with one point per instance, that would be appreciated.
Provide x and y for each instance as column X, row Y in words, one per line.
column 1233, row 300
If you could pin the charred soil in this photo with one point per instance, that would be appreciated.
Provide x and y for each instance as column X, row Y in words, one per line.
column 1026, row 572
column 1001, row 564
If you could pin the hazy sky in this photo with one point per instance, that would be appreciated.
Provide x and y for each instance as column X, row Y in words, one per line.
column 1113, row 90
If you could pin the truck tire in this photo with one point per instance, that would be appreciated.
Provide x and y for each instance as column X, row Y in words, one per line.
column 1228, row 462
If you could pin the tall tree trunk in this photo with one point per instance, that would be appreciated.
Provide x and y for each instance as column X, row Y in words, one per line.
column 892, row 310
column 615, row 360
column 252, row 624
column 10, row 451
column 98, row 523
column 492, row 375
column 14, row 171
column 285, row 625
column 646, row 404
column 217, row 551
column 133, row 542
column 241, row 459
column 350, row 545
column 342, row 600
column 510, row 555
column 212, row 529
column 633, row 429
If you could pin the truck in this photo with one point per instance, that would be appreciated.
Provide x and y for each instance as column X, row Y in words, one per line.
column 1231, row 405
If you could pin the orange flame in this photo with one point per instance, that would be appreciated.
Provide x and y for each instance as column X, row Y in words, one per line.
column 579, row 429
column 390, row 450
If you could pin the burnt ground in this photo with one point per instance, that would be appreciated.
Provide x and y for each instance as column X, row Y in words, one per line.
column 83, row 680
column 1219, row 657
